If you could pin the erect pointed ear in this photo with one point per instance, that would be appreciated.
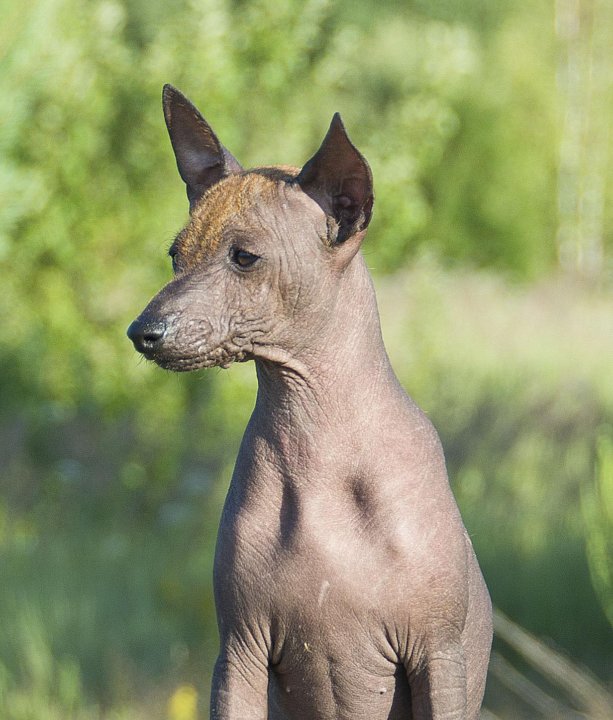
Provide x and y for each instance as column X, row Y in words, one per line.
column 202, row 160
column 339, row 179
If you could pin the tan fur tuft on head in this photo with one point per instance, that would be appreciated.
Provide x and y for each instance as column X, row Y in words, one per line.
column 224, row 203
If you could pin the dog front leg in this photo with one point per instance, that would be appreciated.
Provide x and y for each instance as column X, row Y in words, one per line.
column 239, row 688
column 438, row 684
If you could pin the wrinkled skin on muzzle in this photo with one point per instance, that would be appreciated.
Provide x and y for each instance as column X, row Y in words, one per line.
column 192, row 340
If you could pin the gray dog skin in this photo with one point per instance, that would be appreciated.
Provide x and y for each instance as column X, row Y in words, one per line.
column 345, row 583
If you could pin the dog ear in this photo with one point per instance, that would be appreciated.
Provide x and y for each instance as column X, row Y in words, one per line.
column 339, row 179
column 202, row 160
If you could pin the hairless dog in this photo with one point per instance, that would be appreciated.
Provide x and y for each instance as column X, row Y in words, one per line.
column 345, row 583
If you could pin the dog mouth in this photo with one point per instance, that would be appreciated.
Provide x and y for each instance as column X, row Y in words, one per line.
column 219, row 357
column 186, row 351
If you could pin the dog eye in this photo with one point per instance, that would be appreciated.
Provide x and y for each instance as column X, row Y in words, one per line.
column 173, row 260
column 242, row 258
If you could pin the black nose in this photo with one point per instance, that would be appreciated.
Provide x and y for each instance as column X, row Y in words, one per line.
column 146, row 335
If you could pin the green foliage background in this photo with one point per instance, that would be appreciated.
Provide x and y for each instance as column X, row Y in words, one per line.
column 112, row 472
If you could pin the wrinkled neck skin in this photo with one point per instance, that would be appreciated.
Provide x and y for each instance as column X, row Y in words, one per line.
column 319, row 409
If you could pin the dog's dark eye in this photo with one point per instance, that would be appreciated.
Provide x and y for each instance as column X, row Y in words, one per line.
column 242, row 258
column 173, row 260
